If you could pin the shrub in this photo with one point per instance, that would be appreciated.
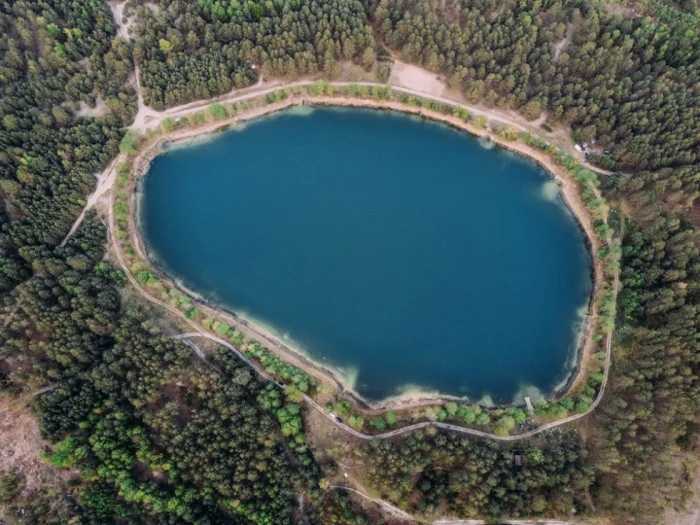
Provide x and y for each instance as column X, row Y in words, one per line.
column 504, row 425
column 379, row 423
column 10, row 486
column 217, row 111
column 481, row 122
column 510, row 133
column 460, row 113
column 129, row 143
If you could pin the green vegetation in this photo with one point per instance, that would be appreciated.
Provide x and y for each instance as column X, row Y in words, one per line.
column 10, row 486
column 506, row 57
column 160, row 437
column 509, row 133
column 434, row 472
column 195, row 50
column 217, row 111
column 49, row 154
column 481, row 122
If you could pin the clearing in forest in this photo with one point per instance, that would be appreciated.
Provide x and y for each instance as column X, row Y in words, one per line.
column 416, row 78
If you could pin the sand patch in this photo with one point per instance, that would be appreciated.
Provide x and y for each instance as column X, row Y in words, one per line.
column 416, row 78
column 99, row 109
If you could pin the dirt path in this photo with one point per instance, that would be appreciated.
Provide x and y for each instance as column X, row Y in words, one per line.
column 28, row 396
column 150, row 119
column 313, row 404
column 409, row 428
column 117, row 9
column 417, row 426
column 105, row 181
column 427, row 83
column 571, row 194
column 386, row 507
column 568, row 188
column 147, row 118
column 559, row 47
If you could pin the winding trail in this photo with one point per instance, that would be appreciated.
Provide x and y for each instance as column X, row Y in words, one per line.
column 148, row 118
column 402, row 430
column 388, row 507
column 29, row 396
column 105, row 182
column 386, row 435
column 264, row 88
column 415, row 426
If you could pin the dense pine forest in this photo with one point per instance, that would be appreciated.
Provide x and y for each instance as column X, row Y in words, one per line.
column 149, row 434
column 195, row 50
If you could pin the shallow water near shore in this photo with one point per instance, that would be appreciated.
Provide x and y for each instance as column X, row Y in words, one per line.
column 398, row 249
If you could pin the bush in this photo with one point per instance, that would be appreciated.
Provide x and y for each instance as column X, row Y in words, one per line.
column 129, row 143
column 10, row 486
column 510, row 133
column 460, row 113
column 193, row 313
column 356, row 422
column 518, row 414
column 342, row 407
column 567, row 403
column 595, row 379
column 217, row 111
column 379, row 423
column 483, row 419
column 504, row 425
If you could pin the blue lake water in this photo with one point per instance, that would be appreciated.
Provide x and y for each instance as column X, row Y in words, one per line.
column 400, row 252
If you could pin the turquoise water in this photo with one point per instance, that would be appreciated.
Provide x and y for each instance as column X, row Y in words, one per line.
column 399, row 251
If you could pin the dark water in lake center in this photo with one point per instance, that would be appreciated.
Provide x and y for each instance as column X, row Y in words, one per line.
column 396, row 250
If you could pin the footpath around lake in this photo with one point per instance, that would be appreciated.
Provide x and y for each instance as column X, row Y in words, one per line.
column 251, row 107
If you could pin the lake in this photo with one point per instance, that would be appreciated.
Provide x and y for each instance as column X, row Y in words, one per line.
column 403, row 254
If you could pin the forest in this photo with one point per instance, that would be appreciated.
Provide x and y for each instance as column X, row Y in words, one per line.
column 149, row 434
column 631, row 85
column 196, row 50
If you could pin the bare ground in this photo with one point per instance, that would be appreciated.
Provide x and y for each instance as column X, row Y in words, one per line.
column 99, row 109
column 123, row 24
column 21, row 446
column 419, row 79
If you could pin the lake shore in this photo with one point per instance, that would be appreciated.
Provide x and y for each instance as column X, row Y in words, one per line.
column 326, row 375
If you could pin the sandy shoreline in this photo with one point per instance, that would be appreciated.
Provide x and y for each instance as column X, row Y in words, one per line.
column 297, row 357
